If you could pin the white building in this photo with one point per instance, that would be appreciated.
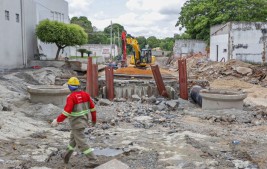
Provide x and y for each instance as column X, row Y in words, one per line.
column 103, row 51
column 244, row 41
column 189, row 47
column 18, row 19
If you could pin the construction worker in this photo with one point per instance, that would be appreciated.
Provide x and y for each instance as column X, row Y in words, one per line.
column 77, row 107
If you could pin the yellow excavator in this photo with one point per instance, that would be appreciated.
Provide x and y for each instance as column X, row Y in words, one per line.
column 141, row 58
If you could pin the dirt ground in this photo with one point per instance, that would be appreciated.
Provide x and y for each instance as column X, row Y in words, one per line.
column 137, row 133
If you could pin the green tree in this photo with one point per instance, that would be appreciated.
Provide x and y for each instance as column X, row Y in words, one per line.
column 116, row 28
column 153, row 42
column 83, row 22
column 182, row 36
column 82, row 51
column 167, row 44
column 89, row 52
column 141, row 41
column 98, row 37
column 197, row 16
column 61, row 34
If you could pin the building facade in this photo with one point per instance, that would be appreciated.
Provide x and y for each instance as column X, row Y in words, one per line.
column 244, row 41
column 103, row 51
column 18, row 19
column 185, row 48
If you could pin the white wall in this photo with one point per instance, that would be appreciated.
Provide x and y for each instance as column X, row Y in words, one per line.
column 10, row 35
column 246, row 41
column 17, row 40
column 247, row 44
column 29, row 31
column 222, row 42
column 188, row 47
column 97, row 50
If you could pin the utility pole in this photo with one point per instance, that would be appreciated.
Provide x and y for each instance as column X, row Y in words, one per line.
column 114, row 43
column 119, row 50
column 111, row 40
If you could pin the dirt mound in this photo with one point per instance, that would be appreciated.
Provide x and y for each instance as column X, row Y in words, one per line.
column 137, row 71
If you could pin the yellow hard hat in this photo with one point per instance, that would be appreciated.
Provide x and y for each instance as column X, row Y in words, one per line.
column 74, row 81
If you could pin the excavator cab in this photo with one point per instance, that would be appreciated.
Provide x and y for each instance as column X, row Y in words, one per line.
column 145, row 58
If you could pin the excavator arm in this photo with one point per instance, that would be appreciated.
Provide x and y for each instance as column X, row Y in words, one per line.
column 134, row 44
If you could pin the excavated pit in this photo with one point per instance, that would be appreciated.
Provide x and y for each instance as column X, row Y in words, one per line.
column 141, row 87
column 132, row 81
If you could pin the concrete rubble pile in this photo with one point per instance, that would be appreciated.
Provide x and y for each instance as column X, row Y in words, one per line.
column 203, row 69
column 144, row 132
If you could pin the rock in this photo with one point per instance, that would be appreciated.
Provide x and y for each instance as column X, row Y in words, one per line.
column 171, row 92
column 240, row 164
column 135, row 97
column 144, row 99
column 258, row 116
column 212, row 163
column 6, row 107
column 244, row 70
column 143, row 118
column 256, row 122
column 161, row 106
column 152, row 99
column 104, row 102
column 120, row 100
column 105, row 126
column 172, row 104
column 113, row 164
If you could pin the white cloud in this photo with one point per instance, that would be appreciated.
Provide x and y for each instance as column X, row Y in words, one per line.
column 139, row 17
column 152, row 5
column 79, row 7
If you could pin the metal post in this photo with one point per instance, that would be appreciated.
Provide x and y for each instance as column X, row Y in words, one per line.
column 183, row 79
column 159, row 81
column 89, row 75
column 95, row 80
column 109, row 83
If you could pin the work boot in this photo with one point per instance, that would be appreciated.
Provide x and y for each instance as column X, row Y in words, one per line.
column 91, row 156
column 66, row 156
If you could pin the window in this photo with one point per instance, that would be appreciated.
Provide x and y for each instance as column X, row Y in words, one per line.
column 17, row 17
column 7, row 15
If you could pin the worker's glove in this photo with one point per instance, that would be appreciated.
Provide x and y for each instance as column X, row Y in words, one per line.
column 54, row 123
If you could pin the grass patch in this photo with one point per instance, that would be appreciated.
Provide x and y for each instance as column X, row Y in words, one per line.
column 85, row 57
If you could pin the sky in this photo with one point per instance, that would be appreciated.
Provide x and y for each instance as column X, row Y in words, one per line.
column 139, row 17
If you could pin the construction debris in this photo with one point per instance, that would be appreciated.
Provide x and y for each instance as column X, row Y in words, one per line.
column 145, row 131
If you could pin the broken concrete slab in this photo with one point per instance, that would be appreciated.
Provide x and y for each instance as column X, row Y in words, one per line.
column 113, row 164
column 172, row 104
column 104, row 102
column 244, row 70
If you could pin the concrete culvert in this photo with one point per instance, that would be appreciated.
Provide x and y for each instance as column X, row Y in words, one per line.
column 48, row 94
